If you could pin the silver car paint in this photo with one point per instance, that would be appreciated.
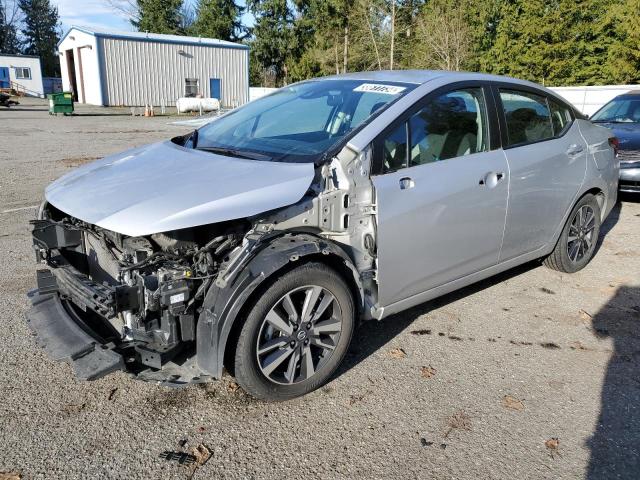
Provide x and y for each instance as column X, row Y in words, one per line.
column 602, row 170
column 162, row 187
column 445, row 227
column 545, row 179
column 367, row 209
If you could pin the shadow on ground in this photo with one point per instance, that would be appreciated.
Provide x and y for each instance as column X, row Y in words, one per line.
column 373, row 335
column 615, row 445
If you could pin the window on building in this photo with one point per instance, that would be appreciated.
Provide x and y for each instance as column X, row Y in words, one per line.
column 23, row 73
column 190, row 87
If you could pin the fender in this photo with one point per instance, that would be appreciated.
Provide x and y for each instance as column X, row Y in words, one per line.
column 224, row 300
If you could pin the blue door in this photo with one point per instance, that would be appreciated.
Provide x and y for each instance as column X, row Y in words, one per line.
column 5, row 82
column 214, row 88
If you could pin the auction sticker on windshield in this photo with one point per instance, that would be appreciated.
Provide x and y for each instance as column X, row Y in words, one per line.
column 379, row 88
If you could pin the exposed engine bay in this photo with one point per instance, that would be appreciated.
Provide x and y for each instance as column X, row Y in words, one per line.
column 150, row 289
column 144, row 297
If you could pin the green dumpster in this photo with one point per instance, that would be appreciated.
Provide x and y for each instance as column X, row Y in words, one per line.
column 61, row 102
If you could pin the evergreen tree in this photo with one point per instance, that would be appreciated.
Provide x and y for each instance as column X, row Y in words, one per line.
column 159, row 16
column 219, row 19
column 274, row 39
column 590, row 39
column 9, row 42
column 40, row 31
column 622, row 28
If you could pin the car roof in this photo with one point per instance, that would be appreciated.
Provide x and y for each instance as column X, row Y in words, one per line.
column 630, row 93
column 420, row 77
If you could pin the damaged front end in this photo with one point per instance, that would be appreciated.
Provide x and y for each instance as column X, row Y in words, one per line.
column 108, row 302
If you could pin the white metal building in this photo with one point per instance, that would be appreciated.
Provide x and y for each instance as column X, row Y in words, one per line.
column 135, row 68
column 21, row 73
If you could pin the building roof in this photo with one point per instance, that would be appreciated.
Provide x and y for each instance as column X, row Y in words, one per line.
column 155, row 37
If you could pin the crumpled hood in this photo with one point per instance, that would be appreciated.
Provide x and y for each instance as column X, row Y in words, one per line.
column 162, row 187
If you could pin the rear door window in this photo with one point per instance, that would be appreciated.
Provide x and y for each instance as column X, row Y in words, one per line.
column 560, row 117
column 527, row 115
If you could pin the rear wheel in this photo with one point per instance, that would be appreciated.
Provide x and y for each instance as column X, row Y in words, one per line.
column 578, row 240
column 296, row 335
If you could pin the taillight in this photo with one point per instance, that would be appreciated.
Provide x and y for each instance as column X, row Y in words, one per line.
column 615, row 143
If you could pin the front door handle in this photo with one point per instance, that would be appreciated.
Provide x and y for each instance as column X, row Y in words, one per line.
column 406, row 183
column 491, row 179
column 574, row 149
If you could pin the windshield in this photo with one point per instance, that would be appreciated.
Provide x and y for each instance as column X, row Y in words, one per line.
column 298, row 123
column 619, row 110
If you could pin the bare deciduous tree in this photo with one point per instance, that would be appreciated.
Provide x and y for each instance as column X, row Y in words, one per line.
column 444, row 36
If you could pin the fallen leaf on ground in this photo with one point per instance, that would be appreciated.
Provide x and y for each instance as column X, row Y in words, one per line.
column 549, row 345
column 232, row 387
column 458, row 421
column 10, row 476
column 553, row 444
column 577, row 345
column 512, row 402
column 397, row 353
column 112, row 393
column 547, row 290
column 202, row 454
column 428, row 372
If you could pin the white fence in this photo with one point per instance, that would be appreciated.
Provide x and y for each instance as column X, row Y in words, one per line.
column 257, row 92
column 589, row 99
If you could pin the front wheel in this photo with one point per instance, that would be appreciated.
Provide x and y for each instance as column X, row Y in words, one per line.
column 578, row 239
column 296, row 334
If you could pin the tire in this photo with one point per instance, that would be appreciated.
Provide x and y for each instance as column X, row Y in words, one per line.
column 565, row 257
column 280, row 330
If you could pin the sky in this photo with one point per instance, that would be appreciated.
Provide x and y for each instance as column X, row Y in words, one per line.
column 98, row 13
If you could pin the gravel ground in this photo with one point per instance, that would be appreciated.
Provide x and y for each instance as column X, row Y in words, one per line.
column 477, row 384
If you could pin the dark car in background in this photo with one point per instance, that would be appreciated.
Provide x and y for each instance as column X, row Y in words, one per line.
column 622, row 115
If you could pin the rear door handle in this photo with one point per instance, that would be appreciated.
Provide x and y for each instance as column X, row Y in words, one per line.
column 491, row 179
column 575, row 149
column 406, row 183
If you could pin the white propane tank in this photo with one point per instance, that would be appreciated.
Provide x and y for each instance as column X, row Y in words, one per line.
column 191, row 104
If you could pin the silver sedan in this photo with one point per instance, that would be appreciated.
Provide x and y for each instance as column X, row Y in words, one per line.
column 256, row 242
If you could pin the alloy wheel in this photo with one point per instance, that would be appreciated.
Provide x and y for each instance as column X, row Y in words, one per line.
column 581, row 233
column 299, row 335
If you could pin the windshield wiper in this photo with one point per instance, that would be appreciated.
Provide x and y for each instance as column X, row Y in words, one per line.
column 230, row 152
